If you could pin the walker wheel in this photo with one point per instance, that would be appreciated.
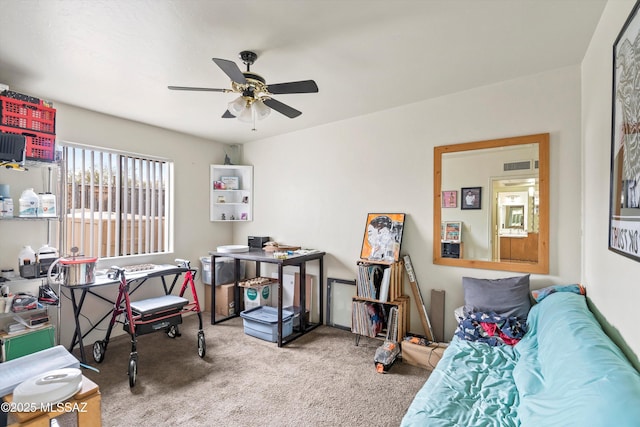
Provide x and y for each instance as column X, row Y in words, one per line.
column 202, row 345
column 133, row 371
column 173, row 331
column 99, row 348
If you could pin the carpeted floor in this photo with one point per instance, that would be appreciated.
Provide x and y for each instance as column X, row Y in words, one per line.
column 320, row 379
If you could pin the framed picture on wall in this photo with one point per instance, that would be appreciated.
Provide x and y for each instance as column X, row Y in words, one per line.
column 624, row 197
column 471, row 198
column 451, row 231
column 382, row 237
column 450, row 199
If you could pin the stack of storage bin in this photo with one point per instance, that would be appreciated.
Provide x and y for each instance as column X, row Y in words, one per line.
column 225, row 304
column 33, row 118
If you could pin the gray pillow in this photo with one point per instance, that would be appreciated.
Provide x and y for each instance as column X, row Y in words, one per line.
column 506, row 297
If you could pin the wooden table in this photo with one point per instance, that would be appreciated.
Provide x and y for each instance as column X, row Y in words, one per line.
column 85, row 404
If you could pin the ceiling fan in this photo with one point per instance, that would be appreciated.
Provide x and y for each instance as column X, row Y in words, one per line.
column 255, row 100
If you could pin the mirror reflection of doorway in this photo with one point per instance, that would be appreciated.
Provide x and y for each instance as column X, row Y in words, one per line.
column 514, row 226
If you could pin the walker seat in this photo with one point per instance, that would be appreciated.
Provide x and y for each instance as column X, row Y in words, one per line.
column 157, row 313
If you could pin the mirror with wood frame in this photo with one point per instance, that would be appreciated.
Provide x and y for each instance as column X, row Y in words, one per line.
column 504, row 211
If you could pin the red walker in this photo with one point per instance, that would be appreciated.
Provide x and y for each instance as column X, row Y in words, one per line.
column 151, row 315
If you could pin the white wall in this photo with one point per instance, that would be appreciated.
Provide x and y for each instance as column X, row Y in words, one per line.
column 315, row 187
column 611, row 279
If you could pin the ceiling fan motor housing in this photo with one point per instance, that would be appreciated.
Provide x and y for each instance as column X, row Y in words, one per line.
column 248, row 57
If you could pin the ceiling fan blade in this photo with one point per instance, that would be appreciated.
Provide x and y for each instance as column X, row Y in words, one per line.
column 282, row 108
column 228, row 115
column 305, row 86
column 200, row 89
column 231, row 69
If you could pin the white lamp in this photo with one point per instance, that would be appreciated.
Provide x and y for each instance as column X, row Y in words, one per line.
column 248, row 110
column 237, row 106
column 246, row 115
column 260, row 109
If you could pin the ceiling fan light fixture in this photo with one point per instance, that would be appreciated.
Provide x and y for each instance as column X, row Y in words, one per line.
column 237, row 106
column 246, row 116
column 261, row 110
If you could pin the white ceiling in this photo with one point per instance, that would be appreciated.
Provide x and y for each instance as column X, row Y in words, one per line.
column 118, row 56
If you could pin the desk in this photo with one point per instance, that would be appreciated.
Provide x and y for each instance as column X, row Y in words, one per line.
column 259, row 256
column 135, row 279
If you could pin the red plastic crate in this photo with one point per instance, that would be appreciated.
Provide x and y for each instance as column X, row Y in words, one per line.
column 39, row 146
column 25, row 115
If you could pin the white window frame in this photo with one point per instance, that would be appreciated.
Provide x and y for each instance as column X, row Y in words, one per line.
column 89, row 216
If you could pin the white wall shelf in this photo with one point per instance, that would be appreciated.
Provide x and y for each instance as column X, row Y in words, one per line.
column 231, row 204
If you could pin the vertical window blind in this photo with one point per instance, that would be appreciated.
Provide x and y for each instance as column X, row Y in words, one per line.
column 116, row 204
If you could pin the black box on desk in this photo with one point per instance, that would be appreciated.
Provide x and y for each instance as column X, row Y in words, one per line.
column 257, row 241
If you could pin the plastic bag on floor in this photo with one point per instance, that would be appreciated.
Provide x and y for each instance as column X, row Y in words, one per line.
column 385, row 356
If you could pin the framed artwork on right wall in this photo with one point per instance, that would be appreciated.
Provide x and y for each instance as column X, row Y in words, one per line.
column 624, row 193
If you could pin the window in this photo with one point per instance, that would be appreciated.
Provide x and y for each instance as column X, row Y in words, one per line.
column 116, row 204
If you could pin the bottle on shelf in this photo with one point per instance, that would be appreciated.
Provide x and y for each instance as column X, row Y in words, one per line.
column 46, row 205
column 26, row 256
column 29, row 202
column 28, row 263
column 6, row 203
column 7, row 207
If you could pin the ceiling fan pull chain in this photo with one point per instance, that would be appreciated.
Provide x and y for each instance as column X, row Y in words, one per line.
column 253, row 115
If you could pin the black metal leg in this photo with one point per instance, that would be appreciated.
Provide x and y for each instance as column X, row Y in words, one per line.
column 280, row 269
column 237, row 295
column 213, row 290
column 321, row 282
column 303, row 297
column 77, row 335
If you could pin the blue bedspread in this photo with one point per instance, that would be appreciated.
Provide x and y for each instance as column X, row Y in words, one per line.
column 570, row 372
column 564, row 372
column 467, row 389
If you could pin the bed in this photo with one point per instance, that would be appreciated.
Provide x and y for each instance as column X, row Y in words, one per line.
column 564, row 370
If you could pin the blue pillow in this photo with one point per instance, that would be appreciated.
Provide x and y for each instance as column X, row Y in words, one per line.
column 508, row 297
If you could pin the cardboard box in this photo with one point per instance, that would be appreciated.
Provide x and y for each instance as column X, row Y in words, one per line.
column 291, row 292
column 422, row 356
column 206, row 304
column 225, row 304
column 256, row 296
